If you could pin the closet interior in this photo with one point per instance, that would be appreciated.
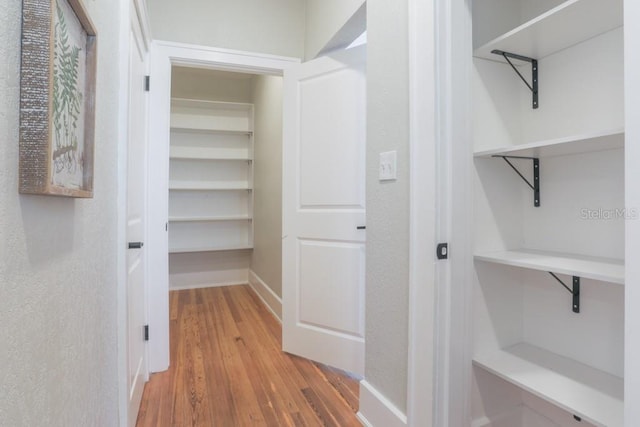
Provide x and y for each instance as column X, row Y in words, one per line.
column 211, row 177
column 549, row 213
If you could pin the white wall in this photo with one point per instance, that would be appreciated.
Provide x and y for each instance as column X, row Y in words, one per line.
column 58, row 281
column 275, row 27
column 266, row 261
column 197, row 83
column 387, row 203
column 325, row 22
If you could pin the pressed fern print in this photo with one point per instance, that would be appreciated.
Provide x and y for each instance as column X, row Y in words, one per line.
column 68, row 85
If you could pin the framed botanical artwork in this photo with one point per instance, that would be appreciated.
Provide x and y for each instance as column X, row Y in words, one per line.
column 57, row 99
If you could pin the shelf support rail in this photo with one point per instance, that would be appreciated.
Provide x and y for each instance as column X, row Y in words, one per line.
column 536, row 175
column 533, row 87
column 575, row 291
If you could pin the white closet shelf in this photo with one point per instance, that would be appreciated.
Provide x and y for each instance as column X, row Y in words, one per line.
column 593, row 395
column 177, row 103
column 179, row 153
column 209, row 249
column 209, row 218
column 596, row 141
column 210, row 131
column 604, row 269
column 559, row 28
column 205, row 186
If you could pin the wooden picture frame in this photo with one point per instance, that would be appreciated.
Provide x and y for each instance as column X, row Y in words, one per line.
column 57, row 99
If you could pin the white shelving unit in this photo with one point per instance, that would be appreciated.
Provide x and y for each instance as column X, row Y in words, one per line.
column 601, row 141
column 603, row 269
column 566, row 25
column 591, row 394
column 211, row 153
column 523, row 334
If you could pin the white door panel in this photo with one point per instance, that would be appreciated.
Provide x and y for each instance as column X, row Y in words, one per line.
column 323, row 206
column 136, row 172
column 334, row 275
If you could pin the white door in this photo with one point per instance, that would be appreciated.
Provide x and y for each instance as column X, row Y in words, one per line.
column 136, row 172
column 324, row 209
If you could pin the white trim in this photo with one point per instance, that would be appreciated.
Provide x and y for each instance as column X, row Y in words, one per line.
column 377, row 411
column 207, row 285
column 422, row 221
column 266, row 294
column 143, row 21
column 632, row 200
column 121, row 228
column 163, row 55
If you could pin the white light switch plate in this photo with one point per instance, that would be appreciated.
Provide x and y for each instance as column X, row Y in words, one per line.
column 387, row 166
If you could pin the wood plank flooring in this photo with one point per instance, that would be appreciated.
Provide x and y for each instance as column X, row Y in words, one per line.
column 227, row 370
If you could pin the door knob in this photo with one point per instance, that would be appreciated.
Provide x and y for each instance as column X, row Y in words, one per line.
column 135, row 245
column 361, row 227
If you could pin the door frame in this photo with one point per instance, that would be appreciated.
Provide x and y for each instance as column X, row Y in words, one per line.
column 164, row 55
column 131, row 11
column 439, row 377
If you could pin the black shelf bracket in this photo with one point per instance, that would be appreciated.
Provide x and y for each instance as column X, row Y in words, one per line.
column 536, row 175
column 533, row 87
column 575, row 291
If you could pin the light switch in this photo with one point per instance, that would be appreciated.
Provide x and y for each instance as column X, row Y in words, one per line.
column 387, row 166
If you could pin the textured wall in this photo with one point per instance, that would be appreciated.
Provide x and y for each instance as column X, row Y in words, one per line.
column 267, row 210
column 387, row 203
column 275, row 27
column 58, row 363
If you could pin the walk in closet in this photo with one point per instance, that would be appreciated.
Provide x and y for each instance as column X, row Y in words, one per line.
column 211, row 171
column 549, row 213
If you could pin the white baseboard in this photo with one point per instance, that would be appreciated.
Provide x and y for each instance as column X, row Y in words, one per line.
column 210, row 278
column 376, row 410
column 205, row 285
column 264, row 292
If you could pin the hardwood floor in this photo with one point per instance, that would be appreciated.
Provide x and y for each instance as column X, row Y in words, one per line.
column 227, row 370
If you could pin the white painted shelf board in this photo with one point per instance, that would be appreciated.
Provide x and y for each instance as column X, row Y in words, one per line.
column 605, row 269
column 209, row 105
column 600, row 141
column 211, row 130
column 204, row 185
column 199, row 153
column 568, row 24
column 210, row 218
column 593, row 395
column 209, row 249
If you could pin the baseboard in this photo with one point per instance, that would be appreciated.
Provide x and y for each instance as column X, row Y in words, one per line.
column 264, row 292
column 205, row 285
column 376, row 410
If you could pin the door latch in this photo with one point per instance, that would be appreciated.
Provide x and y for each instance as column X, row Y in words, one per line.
column 442, row 251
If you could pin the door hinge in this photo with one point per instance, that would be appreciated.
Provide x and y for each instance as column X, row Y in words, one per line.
column 146, row 332
column 166, row 226
column 442, row 251
column 147, row 83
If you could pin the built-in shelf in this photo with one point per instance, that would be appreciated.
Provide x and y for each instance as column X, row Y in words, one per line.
column 605, row 269
column 211, row 130
column 208, row 186
column 559, row 28
column 199, row 153
column 597, row 141
column 190, row 115
column 209, row 249
column 210, row 218
column 591, row 394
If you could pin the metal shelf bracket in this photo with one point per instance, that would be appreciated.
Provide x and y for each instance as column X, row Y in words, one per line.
column 536, row 175
column 575, row 291
column 533, row 87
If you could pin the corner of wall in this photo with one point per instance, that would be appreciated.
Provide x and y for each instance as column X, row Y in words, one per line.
column 264, row 292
